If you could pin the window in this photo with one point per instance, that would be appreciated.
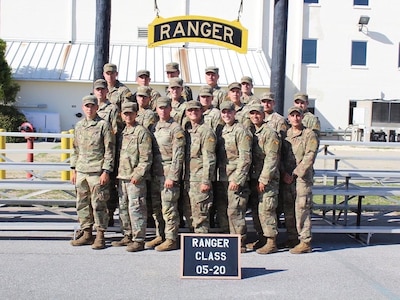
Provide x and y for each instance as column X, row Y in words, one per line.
column 309, row 54
column 359, row 53
column 311, row 1
column 361, row 2
column 311, row 105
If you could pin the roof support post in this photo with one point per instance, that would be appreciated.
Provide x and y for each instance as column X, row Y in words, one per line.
column 102, row 37
column 278, row 62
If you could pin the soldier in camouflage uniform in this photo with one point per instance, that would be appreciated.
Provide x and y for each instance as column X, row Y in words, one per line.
column 117, row 94
column 233, row 161
column 247, row 91
column 145, row 115
column 178, row 103
column 299, row 150
column 143, row 79
column 168, row 155
column 211, row 115
column 272, row 118
column 135, row 158
column 116, row 90
column 107, row 110
column 264, row 180
column 172, row 70
column 200, row 163
column 212, row 76
column 279, row 124
column 309, row 120
column 92, row 162
column 242, row 113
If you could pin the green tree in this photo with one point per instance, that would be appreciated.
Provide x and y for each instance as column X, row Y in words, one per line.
column 8, row 87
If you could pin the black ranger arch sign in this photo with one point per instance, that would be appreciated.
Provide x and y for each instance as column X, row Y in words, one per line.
column 215, row 31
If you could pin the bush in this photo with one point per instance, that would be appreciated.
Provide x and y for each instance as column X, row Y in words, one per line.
column 10, row 120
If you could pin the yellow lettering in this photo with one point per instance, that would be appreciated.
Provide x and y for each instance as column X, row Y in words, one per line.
column 179, row 30
column 205, row 29
column 193, row 29
column 164, row 30
column 228, row 32
column 215, row 30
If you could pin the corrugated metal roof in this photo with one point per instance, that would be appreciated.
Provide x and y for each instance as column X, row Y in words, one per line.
column 52, row 61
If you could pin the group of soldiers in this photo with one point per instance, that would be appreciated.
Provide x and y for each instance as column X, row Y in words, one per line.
column 206, row 161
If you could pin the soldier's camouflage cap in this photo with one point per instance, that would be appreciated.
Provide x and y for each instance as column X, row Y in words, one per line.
column 100, row 83
column 90, row 99
column 143, row 72
column 295, row 109
column 128, row 107
column 234, row 85
column 110, row 67
column 246, row 79
column 226, row 105
column 193, row 104
column 175, row 82
column 206, row 91
column 212, row 69
column 301, row 96
column 144, row 91
column 163, row 102
column 172, row 67
column 256, row 107
column 267, row 96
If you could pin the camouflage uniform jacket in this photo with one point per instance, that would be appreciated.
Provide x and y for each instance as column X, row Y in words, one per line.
column 246, row 99
column 219, row 96
column 178, row 111
column 212, row 117
column 168, row 149
column 234, row 153
column 242, row 115
column 110, row 113
column 266, row 156
column 200, row 161
column 187, row 93
column 93, row 147
column 135, row 153
column 299, row 152
column 277, row 123
column 146, row 117
column 117, row 94
column 311, row 121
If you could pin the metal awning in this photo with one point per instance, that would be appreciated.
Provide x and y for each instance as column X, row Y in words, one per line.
column 58, row 61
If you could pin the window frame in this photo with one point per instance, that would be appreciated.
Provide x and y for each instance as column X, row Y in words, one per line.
column 311, row 52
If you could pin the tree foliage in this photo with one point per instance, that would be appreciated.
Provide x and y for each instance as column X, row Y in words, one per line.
column 8, row 87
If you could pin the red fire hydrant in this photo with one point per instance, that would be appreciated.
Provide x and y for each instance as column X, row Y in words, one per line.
column 28, row 127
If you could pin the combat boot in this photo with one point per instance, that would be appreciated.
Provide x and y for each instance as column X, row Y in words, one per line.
column 99, row 242
column 154, row 242
column 257, row 244
column 135, row 246
column 85, row 238
column 123, row 242
column 303, row 247
column 291, row 243
column 269, row 247
column 167, row 245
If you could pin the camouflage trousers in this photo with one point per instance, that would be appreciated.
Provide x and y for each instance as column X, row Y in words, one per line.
column 297, row 201
column 133, row 209
column 196, row 206
column 91, row 201
column 234, row 204
column 263, row 209
column 165, row 208
column 287, row 198
column 303, row 209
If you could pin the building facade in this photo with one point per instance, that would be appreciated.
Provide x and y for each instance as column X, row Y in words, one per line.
column 50, row 47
